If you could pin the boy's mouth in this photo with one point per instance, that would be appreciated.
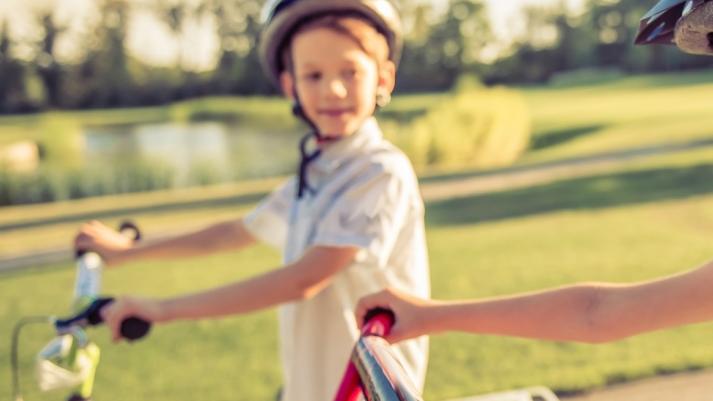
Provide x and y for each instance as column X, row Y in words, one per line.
column 336, row 112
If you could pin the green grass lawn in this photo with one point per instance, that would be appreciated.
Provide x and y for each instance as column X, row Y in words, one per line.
column 160, row 212
column 642, row 222
column 648, row 218
column 622, row 113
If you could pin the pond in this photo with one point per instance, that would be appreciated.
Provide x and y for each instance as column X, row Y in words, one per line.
column 222, row 151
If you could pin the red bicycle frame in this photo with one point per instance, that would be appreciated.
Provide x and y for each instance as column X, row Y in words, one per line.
column 373, row 371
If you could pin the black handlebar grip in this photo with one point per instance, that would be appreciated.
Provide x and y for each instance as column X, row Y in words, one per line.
column 130, row 229
column 134, row 328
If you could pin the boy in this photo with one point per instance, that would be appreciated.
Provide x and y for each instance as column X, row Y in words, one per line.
column 350, row 222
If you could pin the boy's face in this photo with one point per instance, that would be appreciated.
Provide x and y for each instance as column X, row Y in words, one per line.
column 336, row 81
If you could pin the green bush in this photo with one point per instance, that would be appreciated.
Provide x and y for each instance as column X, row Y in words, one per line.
column 59, row 137
column 474, row 127
column 204, row 173
column 53, row 183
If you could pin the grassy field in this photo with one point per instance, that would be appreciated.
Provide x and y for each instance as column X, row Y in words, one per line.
column 651, row 219
column 648, row 218
column 619, row 114
column 161, row 212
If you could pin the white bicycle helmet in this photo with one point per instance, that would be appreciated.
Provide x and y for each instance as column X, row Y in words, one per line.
column 281, row 17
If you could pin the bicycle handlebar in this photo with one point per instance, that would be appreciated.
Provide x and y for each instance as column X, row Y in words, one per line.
column 132, row 328
column 377, row 322
column 89, row 267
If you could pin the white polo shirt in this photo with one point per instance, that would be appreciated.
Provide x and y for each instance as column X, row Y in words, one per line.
column 364, row 194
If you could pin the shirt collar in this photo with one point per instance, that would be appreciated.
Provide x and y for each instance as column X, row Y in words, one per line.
column 366, row 136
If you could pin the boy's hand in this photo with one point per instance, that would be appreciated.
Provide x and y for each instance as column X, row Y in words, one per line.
column 97, row 237
column 125, row 307
column 410, row 312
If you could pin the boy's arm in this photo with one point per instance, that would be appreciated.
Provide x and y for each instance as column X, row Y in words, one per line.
column 300, row 280
column 588, row 312
column 116, row 249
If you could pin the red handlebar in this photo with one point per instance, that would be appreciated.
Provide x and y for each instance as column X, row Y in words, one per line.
column 377, row 322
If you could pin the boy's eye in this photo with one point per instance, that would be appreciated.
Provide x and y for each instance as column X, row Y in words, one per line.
column 312, row 76
column 350, row 73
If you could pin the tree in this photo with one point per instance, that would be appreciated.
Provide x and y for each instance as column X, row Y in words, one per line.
column 238, row 28
column 106, row 80
column 48, row 67
column 12, row 93
column 435, row 57
column 174, row 14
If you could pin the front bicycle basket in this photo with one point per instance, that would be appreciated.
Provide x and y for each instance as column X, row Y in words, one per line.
column 63, row 363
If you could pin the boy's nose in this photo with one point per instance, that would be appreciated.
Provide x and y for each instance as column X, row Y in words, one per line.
column 336, row 88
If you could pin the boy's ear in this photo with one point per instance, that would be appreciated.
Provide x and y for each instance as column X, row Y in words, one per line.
column 387, row 76
column 287, row 84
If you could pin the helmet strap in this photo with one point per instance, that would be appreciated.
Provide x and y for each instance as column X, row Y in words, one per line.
column 305, row 157
column 299, row 112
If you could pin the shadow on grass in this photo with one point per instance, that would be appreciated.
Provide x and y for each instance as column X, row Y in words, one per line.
column 163, row 207
column 555, row 138
column 594, row 192
column 648, row 81
column 691, row 78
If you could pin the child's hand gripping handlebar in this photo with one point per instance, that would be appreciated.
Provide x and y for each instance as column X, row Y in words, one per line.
column 374, row 370
column 87, row 289
column 132, row 328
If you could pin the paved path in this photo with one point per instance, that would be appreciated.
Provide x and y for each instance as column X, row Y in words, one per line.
column 457, row 185
column 692, row 386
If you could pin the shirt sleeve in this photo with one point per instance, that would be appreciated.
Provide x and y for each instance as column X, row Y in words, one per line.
column 368, row 214
column 269, row 220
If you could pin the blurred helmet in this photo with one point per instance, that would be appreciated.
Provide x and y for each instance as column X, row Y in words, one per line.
column 281, row 17
column 686, row 23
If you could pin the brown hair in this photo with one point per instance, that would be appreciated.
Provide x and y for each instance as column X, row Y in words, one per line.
column 371, row 40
